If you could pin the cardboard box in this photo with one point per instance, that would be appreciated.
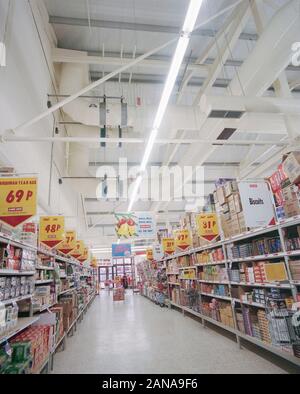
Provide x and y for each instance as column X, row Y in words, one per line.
column 237, row 203
column 221, row 195
column 291, row 167
column 230, row 187
column 290, row 193
column 291, row 208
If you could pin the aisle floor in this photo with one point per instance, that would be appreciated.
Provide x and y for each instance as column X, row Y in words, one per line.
column 136, row 336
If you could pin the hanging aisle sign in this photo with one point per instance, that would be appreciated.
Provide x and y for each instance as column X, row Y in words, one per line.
column 68, row 243
column 78, row 250
column 84, row 256
column 168, row 245
column 135, row 225
column 207, row 226
column 121, row 250
column 257, row 204
column 52, row 230
column 158, row 253
column 18, row 200
column 183, row 239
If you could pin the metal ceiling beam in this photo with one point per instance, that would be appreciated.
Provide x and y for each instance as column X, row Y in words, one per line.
column 158, row 79
column 150, row 28
column 207, row 164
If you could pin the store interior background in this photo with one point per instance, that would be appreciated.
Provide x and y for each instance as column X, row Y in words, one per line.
column 25, row 89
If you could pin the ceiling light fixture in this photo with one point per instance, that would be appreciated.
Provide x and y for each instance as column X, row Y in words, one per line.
column 183, row 42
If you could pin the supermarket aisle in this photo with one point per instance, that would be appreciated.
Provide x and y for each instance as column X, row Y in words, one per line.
column 139, row 337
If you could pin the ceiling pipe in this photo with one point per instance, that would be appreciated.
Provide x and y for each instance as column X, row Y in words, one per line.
column 93, row 140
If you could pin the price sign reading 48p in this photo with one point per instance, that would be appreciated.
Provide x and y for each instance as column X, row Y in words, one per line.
column 18, row 200
column 52, row 230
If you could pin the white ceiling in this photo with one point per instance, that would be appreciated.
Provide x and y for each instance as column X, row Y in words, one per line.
column 74, row 33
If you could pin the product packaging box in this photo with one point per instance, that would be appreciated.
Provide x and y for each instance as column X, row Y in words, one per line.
column 291, row 208
column 221, row 195
column 230, row 187
column 291, row 167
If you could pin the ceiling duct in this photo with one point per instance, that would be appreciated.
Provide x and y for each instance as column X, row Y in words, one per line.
column 234, row 107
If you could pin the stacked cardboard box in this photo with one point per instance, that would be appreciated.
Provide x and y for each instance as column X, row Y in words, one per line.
column 230, row 209
column 295, row 270
column 39, row 340
column 285, row 186
column 264, row 326
column 226, row 315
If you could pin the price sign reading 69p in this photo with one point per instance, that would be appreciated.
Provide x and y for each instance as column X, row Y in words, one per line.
column 18, row 200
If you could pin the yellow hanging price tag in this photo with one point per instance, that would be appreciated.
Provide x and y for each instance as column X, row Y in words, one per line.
column 18, row 200
column 183, row 239
column 68, row 243
column 207, row 226
column 51, row 231
column 168, row 245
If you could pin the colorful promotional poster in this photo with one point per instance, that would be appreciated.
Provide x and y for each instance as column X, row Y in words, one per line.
column 18, row 200
column 68, row 243
column 207, row 226
column 135, row 225
column 51, row 230
column 121, row 250
column 183, row 239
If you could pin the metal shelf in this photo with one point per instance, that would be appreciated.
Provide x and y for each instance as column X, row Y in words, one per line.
column 217, row 296
column 44, row 268
column 17, row 299
column 261, row 344
column 188, row 267
column 4, row 272
column 212, row 263
column 23, row 323
column 213, row 281
column 43, row 282
column 267, row 285
column 255, row 304
column 67, row 291
column 258, row 258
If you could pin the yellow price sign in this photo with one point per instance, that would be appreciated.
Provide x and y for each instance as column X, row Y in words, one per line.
column 207, row 226
column 18, row 200
column 149, row 253
column 84, row 256
column 78, row 250
column 68, row 243
column 52, row 230
column 183, row 239
column 168, row 245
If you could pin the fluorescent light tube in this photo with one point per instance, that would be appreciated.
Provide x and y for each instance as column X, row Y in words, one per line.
column 172, row 76
column 188, row 27
column 2, row 54
column 192, row 15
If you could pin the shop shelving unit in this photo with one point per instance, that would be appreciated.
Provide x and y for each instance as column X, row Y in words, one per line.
column 25, row 322
column 290, row 284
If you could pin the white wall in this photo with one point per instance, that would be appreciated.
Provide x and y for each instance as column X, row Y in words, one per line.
column 24, row 85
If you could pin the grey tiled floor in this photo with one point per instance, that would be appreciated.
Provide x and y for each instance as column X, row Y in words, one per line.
column 137, row 336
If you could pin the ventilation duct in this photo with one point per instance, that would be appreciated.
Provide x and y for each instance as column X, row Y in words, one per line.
column 233, row 107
